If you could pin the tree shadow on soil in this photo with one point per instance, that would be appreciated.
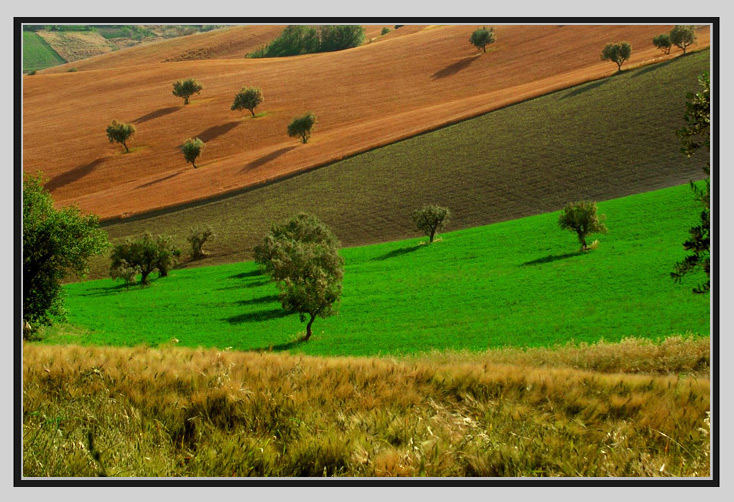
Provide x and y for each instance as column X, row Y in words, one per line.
column 456, row 67
column 154, row 115
column 216, row 131
column 267, row 158
column 551, row 258
column 73, row 175
column 397, row 252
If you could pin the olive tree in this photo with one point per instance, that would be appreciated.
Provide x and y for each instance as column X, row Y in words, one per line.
column 695, row 136
column 247, row 99
column 682, row 37
column 55, row 242
column 144, row 255
column 301, row 127
column 663, row 43
column 618, row 53
column 429, row 219
column 581, row 217
column 119, row 132
column 191, row 149
column 482, row 38
column 186, row 88
column 198, row 236
column 302, row 256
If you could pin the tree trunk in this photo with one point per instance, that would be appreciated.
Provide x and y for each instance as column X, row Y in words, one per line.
column 127, row 150
column 308, row 327
column 186, row 100
column 583, row 242
column 252, row 111
column 193, row 163
column 144, row 278
column 484, row 48
column 619, row 66
column 433, row 234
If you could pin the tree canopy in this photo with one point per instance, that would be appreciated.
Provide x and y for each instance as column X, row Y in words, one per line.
column 683, row 36
column 482, row 38
column 429, row 219
column 119, row 132
column 247, row 99
column 186, row 88
column 618, row 53
column 301, row 127
column 581, row 218
column 191, row 149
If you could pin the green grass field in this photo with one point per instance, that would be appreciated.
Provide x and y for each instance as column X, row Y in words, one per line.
column 515, row 283
column 37, row 54
column 601, row 140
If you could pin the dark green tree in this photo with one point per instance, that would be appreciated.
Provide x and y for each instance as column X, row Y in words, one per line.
column 119, row 132
column 186, row 88
column 301, row 127
column 581, row 218
column 618, row 53
column 302, row 256
column 247, row 99
column 198, row 236
column 145, row 255
column 682, row 37
column 663, row 43
column 482, row 38
column 694, row 137
column 55, row 242
column 191, row 149
column 429, row 219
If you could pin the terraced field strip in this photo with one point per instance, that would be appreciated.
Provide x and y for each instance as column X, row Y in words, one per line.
column 37, row 54
column 364, row 97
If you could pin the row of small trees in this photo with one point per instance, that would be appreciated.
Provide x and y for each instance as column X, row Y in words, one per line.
column 680, row 36
column 247, row 98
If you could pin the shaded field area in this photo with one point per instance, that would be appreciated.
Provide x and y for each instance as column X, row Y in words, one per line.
column 601, row 140
column 185, row 412
column 363, row 99
column 37, row 54
column 519, row 283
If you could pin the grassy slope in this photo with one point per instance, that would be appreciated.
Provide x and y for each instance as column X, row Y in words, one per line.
column 184, row 412
column 605, row 139
column 513, row 283
column 37, row 54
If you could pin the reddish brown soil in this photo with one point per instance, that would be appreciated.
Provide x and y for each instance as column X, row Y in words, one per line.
column 372, row 95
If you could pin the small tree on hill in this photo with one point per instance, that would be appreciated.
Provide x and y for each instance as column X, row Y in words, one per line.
column 302, row 256
column 429, row 219
column 301, row 127
column 247, row 99
column 618, row 53
column 186, row 88
column 482, row 38
column 581, row 218
column 119, row 132
column 145, row 255
column 682, row 37
column 694, row 136
column 55, row 242
column 191, row 149
column 197, row 238
column 663, row 42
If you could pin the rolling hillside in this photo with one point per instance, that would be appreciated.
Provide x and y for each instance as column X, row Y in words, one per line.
column 364, row 97
column 518, row 283
column 600, row 140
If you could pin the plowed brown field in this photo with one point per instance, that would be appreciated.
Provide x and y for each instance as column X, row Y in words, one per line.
column 364, row 97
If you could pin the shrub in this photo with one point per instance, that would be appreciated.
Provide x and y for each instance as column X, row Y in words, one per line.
column 618, row 53
column 54, row 243
column 72, row 70
column 663, row 43
column 301, row 127
column 385, row 31
column 581, row 218
column 302, row 256
column 119, row 132
column 429, row 219
column 145, row 255
column 32, row 72
column 482, row 38
column 247, row 99
column 125, row 271
column 295, row 40
column 197, row 238
column 682, row 37
column 186, row 88
column 191, row 149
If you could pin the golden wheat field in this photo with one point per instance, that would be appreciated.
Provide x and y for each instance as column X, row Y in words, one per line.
column 627, row 409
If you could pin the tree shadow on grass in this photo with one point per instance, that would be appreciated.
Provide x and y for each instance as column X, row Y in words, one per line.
column 456, row 67
column 585, row 87
column 242, row 275
column 397, row 252
column 259, row 316
column 111, row 289
column 280, row 347
column 262, row 299
column 249, row 284
column 551, row 258
column 650, row 67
